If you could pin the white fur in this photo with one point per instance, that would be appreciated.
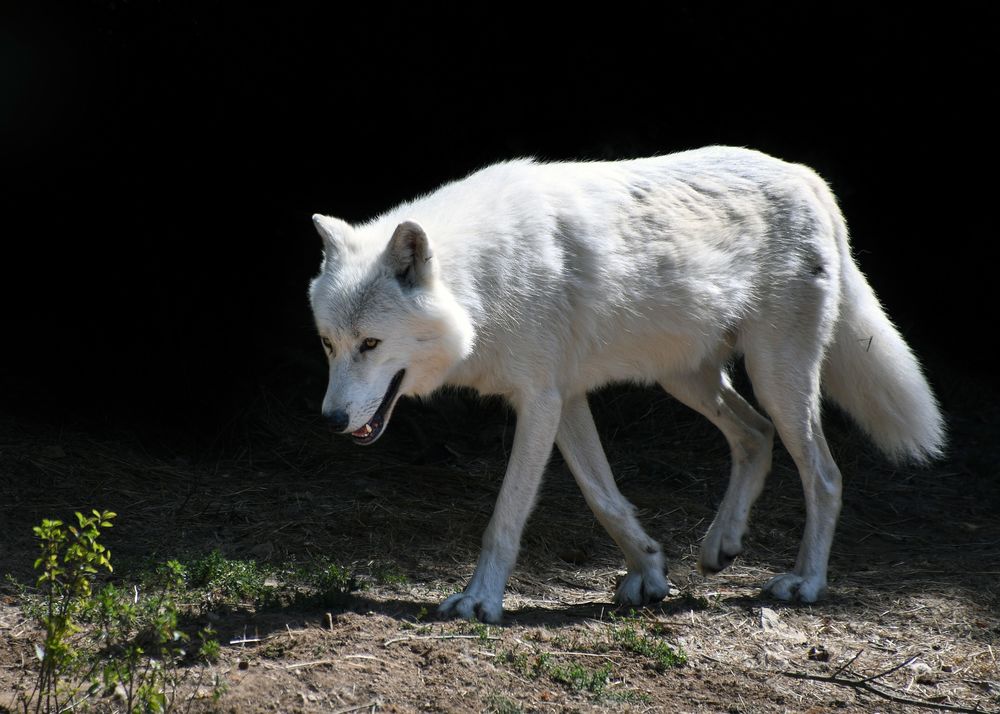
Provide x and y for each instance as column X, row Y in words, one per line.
column 549, row 280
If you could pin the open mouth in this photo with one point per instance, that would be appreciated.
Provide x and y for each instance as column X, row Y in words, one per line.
column 371, row 431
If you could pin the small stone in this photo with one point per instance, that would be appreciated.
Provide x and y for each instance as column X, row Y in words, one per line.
column 818, row 653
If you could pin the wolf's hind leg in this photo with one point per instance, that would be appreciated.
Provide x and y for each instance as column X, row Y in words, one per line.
column 792, row 399
column 580, row 446
column 750, row 437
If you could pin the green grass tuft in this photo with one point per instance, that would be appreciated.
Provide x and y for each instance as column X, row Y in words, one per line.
column 499, row 704
column 573, row 675
column 661, row 654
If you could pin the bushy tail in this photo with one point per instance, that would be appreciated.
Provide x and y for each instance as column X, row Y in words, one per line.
column 873, row 375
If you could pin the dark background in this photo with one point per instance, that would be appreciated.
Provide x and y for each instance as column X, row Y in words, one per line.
column 161, row 161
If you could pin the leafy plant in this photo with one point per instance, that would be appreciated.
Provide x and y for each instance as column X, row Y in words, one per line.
column 69, row 561
column 112, row 642
column 333, row 585
column 224, row 578
column 219, row 580
column 387, row 573
column 145, row 653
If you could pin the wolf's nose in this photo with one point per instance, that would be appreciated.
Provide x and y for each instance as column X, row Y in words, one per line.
column 337, row 419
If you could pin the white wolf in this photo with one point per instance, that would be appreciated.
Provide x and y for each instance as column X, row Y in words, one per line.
column 541, row 282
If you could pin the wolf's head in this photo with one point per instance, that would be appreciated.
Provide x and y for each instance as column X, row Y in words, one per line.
column 387, row 322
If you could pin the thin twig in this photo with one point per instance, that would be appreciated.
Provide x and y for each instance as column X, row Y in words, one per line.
column 437, row 637
column 355, row 708
column 317, row 663
column 583, row 654
column 864, row 685
column 849, row 663
column 890, row 670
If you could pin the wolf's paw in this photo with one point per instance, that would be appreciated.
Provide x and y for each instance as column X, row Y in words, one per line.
column 790, row 587
column 719, row 549
column 642, row 588
column 473, row 606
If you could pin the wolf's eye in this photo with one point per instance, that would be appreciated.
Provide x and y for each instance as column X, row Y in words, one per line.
column 369, row 343
column 327, row 345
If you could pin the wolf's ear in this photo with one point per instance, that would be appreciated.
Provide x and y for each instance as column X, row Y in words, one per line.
column 408, row 255
column 334, row 233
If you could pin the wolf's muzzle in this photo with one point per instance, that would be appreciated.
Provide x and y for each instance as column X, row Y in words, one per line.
column 337, row 420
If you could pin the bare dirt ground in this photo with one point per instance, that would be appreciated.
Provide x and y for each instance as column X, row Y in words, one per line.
column 912, row 621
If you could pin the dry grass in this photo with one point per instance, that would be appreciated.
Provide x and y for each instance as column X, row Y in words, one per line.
column 912, row 620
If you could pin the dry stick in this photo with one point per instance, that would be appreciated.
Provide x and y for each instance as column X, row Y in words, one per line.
column 890, row 670
column 321, row 662
column 436, row 637
column 863, row 684
column 317, row 663
column 849, row 663
column 345, row 710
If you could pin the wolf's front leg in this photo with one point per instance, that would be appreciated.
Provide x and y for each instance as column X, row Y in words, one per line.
column 537, row 422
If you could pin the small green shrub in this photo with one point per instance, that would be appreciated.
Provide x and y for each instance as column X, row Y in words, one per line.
column 333, row 585
column 221, row 581
column 111, row 642
column 145, row 655
column 226, row 579
column 69, row 561
column 388, row 573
